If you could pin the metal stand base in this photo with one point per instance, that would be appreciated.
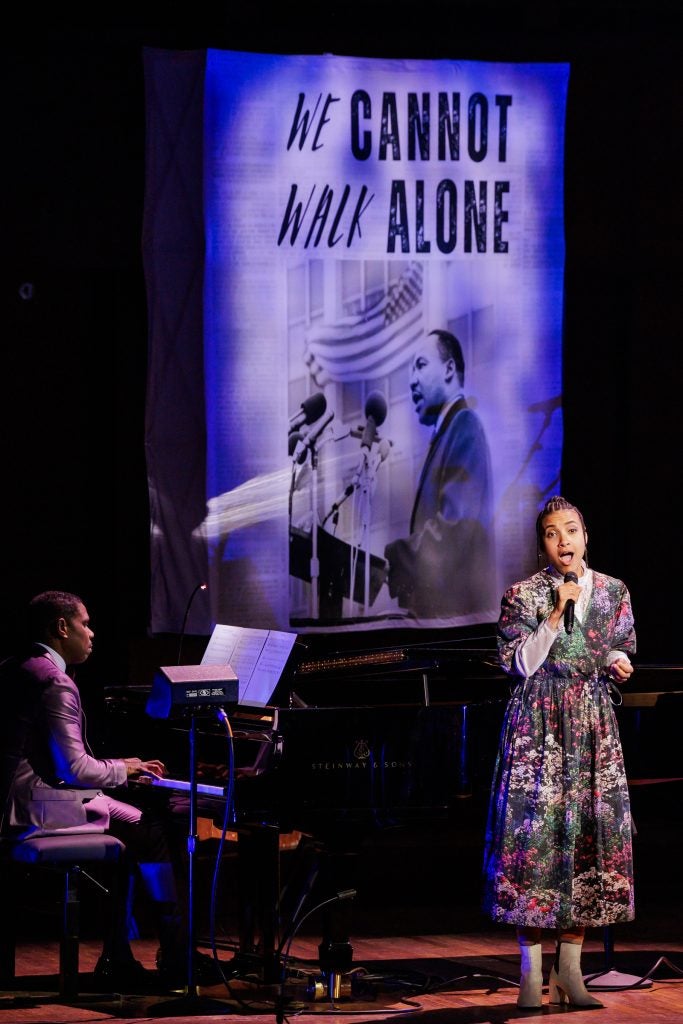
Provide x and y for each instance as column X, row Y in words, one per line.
column 610, row 979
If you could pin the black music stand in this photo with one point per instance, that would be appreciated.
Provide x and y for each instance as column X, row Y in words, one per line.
column 192, row 691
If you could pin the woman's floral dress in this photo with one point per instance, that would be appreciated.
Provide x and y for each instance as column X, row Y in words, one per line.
column 558, row 839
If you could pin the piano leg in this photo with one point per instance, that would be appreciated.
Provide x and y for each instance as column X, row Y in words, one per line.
column 268, row 911
column 335, row 952
column 318, row 881
column 258, row 860
column 301, row 877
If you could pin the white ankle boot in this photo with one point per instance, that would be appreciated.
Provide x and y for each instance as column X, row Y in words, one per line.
column 566, row 981
column 531, row 981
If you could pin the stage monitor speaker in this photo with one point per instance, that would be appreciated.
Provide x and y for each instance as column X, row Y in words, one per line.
column 181, row 690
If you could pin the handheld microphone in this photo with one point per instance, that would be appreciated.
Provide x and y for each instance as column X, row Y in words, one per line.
column 569, row 577
column 312, row 409
column 375, row 415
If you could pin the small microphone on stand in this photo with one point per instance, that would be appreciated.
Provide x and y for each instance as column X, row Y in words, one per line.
column 347, row 894
column 333, row 977
column 569, row 577
column 200, row 586
column 334, row 511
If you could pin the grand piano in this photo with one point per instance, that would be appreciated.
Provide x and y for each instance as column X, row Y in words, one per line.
column 361, row 734
column 357, row 741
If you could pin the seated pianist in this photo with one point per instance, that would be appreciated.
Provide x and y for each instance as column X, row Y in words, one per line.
column 51, row 782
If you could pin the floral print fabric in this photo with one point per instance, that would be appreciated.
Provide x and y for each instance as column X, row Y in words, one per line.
column 558, row 839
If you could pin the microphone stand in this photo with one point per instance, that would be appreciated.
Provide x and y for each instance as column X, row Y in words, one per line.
column 370, row 468
column 191, row 1003
column 366, row 478
column 191, row 849
column 315, row 563
column 364, row 544
column 335, row 964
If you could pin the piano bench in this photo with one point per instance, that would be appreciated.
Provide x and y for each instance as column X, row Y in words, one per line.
column 66, row 855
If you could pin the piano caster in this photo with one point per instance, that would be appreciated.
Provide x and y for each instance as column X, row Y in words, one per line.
column 334, row 987
column 335, row 957
column 338, row 987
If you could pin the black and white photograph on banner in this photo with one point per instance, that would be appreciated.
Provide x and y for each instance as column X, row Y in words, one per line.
column 381, row 323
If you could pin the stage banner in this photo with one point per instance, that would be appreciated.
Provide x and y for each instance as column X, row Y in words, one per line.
column 360, row 471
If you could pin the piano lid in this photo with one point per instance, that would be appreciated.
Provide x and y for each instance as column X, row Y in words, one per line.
column 436, row 671
column 416, row 657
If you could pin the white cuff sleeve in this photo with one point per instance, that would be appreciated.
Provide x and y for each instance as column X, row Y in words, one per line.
column 533, row 650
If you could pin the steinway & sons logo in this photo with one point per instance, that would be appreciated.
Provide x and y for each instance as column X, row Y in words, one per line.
column 362, row 758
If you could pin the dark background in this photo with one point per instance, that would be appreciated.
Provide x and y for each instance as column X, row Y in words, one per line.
column 74, row 306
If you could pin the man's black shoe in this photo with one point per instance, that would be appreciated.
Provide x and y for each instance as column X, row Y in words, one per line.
column 128, row 975
column 173, row 972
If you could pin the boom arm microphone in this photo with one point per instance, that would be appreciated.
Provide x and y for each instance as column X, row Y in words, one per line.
column 312, row 409
column 569, row 577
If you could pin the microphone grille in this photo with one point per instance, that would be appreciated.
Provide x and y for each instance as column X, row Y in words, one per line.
column 293, row 441
column 314, row 407
column 376, row 406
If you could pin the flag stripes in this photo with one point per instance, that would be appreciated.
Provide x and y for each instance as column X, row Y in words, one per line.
column 373, row 343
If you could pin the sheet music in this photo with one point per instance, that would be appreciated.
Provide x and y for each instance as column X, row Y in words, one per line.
column 257, row 657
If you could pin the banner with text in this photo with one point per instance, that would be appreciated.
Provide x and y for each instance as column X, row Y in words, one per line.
column 360, row 470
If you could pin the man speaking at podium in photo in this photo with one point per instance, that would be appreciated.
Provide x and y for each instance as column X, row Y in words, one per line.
column 445, row 567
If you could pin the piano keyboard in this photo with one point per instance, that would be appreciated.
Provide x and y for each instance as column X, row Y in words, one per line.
column 203, row 788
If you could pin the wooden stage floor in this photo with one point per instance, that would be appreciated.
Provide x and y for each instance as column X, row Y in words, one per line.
column 421, row 947
column 443, row 979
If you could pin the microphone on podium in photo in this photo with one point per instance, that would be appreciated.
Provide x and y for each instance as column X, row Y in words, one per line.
column 383, row 449
column 302, row 441
column 309, row 438
column 375, row 415
column 370, row 463
column 365, row 472
column 311, row 409
column 569, row 577
column 336, row 505
column 297, row 448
